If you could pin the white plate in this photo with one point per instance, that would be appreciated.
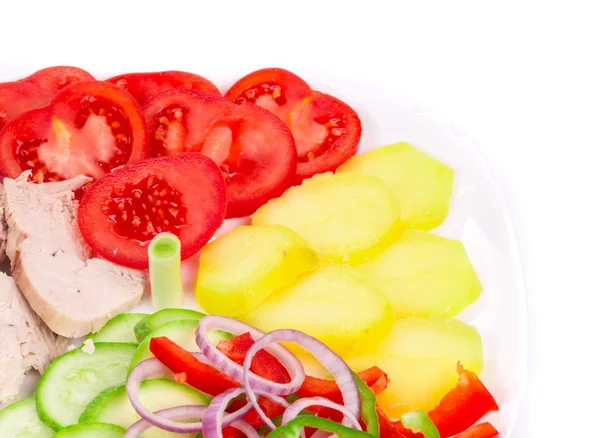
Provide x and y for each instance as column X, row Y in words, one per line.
column 479, row 217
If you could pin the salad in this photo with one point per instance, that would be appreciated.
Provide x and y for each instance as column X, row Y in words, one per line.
column 328, row 306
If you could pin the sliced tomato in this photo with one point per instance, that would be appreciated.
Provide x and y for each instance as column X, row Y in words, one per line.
column 327, row 133
column 274, row 89
column 325, row 129
column 254, row 149
column 121, row 213
column 36, row 90
column 88, row 128
column 144, row 86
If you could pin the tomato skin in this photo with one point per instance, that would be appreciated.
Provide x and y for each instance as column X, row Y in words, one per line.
column 318, row 110
column 253, row 147
column 66, row 107
column 197, row 179
column 36, row 90
column 293, row 90
column 144, row 86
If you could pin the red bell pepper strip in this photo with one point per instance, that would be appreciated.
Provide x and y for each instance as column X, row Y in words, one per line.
column 269, row 407
column 264, row 364
column 393, row 429
column 374, row 377
column 482, row 430
column 232, row 432
column 463, row 406
column 198, row 375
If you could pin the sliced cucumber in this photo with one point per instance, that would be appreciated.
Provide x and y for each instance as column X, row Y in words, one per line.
column 154, row 321
column 91, row 430
column 113, row 405
column 119, row 329
column 182, row 332
column 20, row 420
column 75, row 378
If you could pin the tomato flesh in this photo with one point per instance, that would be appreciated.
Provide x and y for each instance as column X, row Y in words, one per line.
column 274, row 89
column 169, row 118
column 89, row 128
column 327, row 133
column 143, row 209
column 144, row 86
column 36, row 90
column 253, row 148
column 122, row 212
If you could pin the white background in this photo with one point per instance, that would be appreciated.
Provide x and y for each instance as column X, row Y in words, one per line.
column 522, row 80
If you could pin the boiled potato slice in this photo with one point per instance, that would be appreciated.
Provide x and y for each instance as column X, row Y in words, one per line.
column 422, row 184
column 333, row 305
column 424, row 275
column 420, row 357
column 347, row 217
column 241, row 268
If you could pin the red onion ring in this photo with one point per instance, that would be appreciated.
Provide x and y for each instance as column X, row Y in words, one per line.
column 291, row 363
column 303, row 403
column 212, row 424
column 183, row 413
column 245, row 428
column 177, row 413
column 331, row 361
column 143, row 371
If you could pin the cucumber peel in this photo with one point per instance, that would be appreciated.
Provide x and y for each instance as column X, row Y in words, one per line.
column 119, row 329
column 91, row 430
column 152, row 322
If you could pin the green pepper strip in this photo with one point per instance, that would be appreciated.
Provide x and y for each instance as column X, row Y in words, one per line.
column 293, row 429
column 368, row 406
column 419, row 421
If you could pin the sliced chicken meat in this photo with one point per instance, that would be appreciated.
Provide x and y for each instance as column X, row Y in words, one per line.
column 73, row 292
column 3, row 230
column 25, row 341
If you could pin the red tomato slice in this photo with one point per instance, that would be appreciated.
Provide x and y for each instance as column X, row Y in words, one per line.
column 144, row 86
column 275, row 89
column 326, row 131
column 121, row 213
column 89, row 128
column 36, row 91
column 254, row 149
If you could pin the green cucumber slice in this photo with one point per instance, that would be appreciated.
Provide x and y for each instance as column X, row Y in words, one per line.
column 113, row 405
column 119, row 329
column 75, row 378
column 91, row 430
column 154, row 321
column 20, row 420
column 182, row 332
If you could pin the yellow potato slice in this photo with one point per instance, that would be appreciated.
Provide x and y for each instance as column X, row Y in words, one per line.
column 424, row 275
column 420, row 357
column 346, row 218
column 241, row 268
column 421, row 183
column 333, row 305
